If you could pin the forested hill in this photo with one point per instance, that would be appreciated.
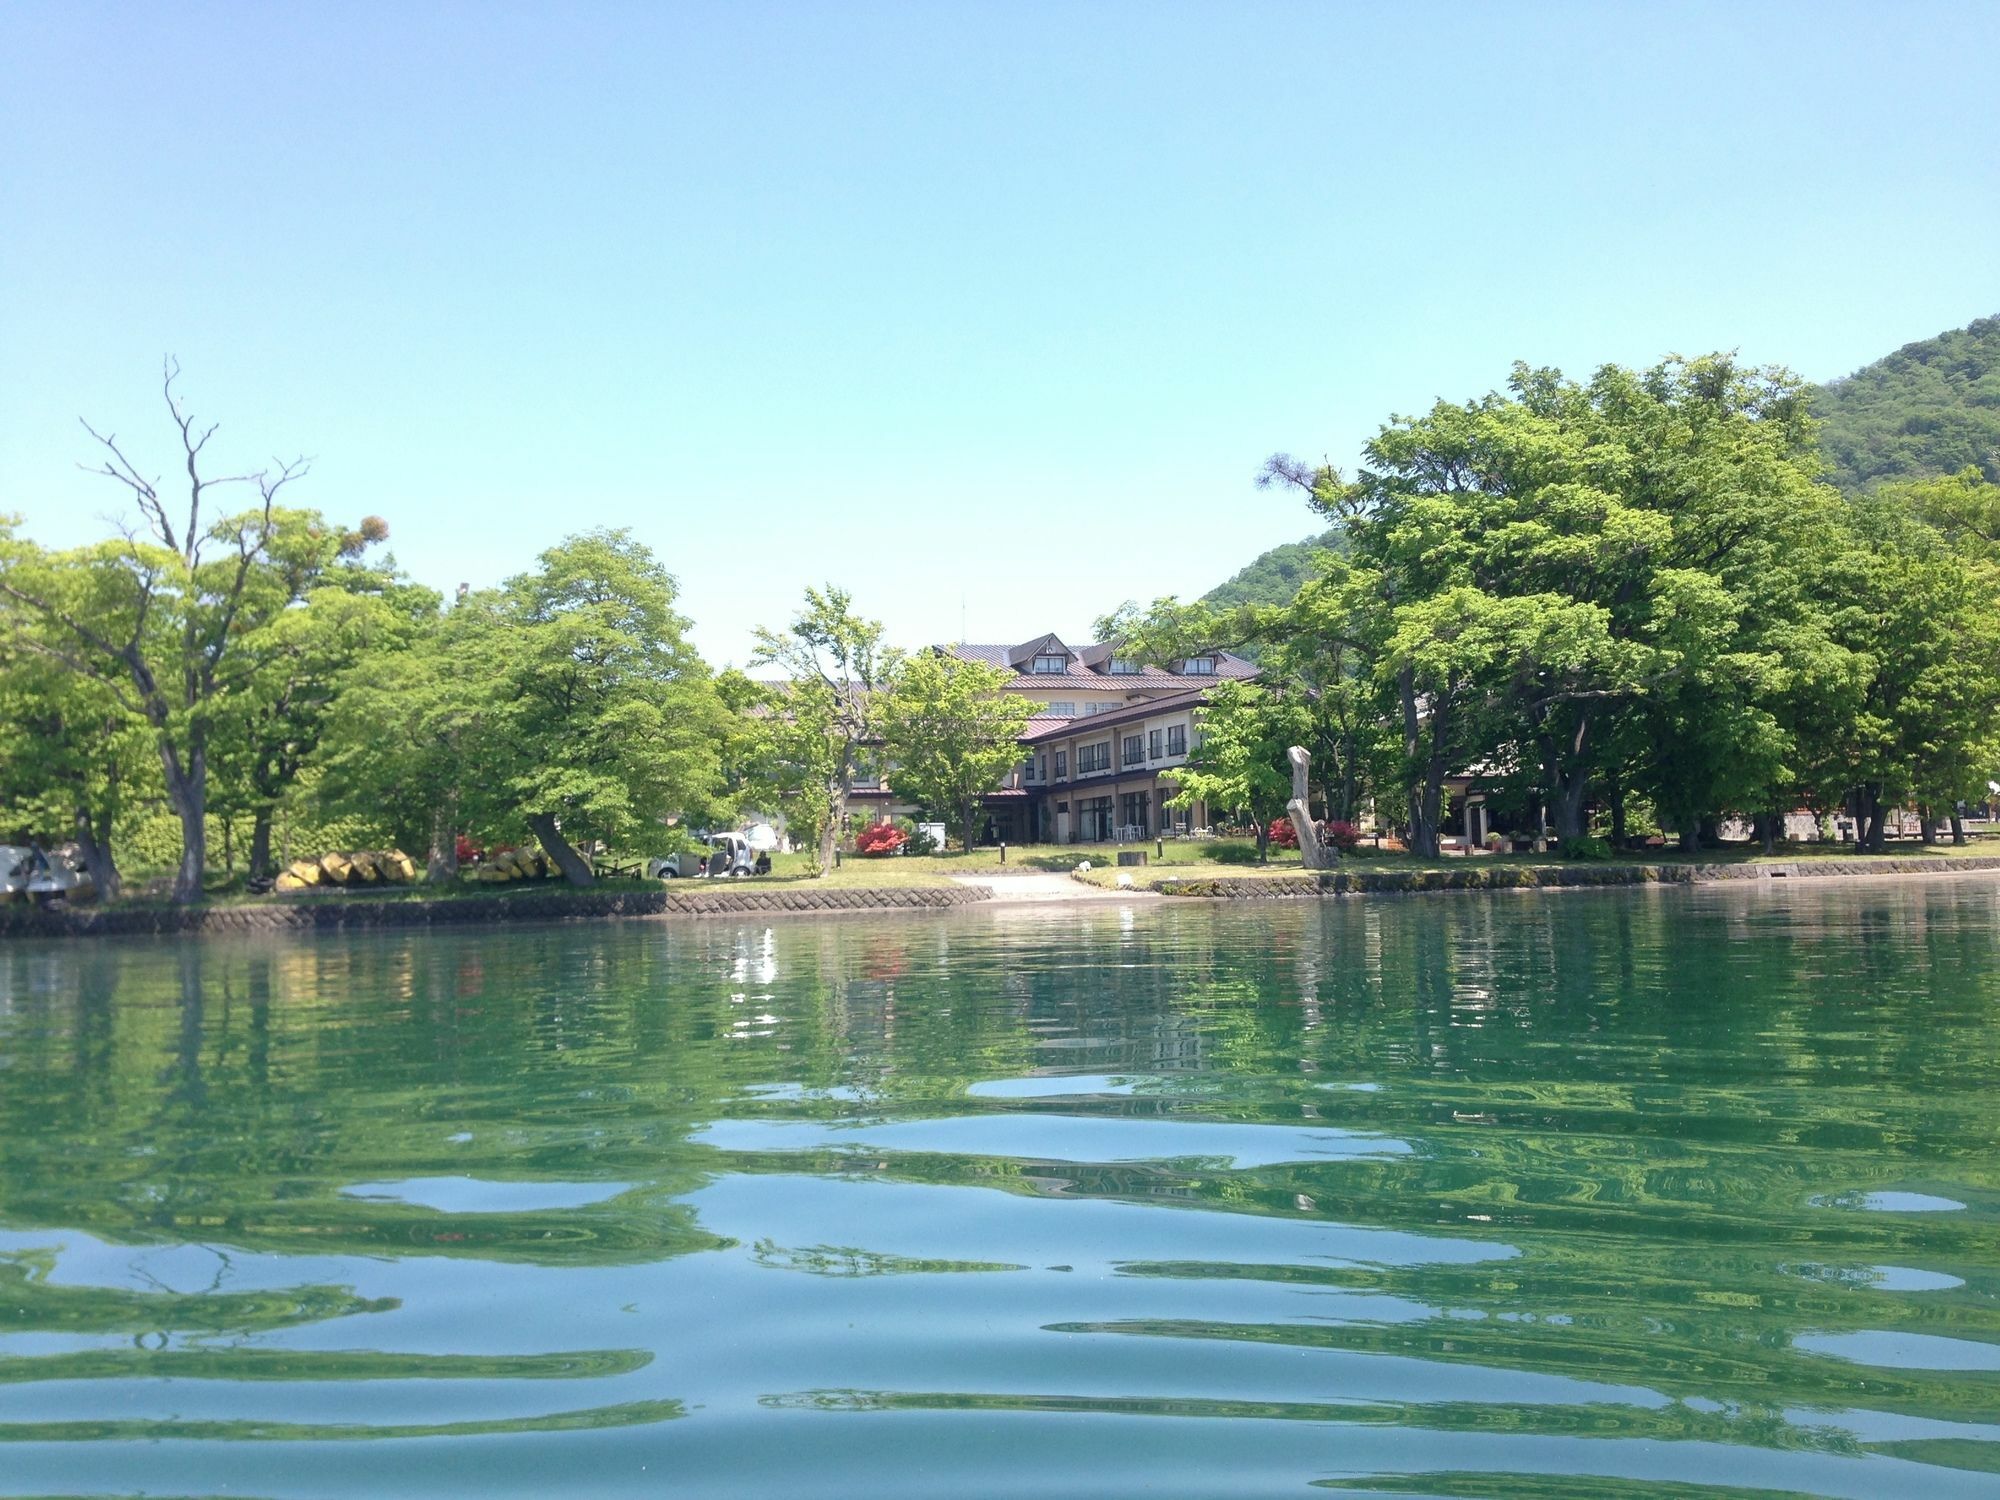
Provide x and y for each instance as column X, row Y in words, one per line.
column 1932, row 407
column 1272, row 578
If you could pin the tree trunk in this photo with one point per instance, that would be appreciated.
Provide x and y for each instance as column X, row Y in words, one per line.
column 576, row 869
column 187, row 795
column 1567, row 789
column 1263, row 840
column 441, row 863
column 94, row 840
column 1570, row 824
column 1763, row 827
column 968, row 822
column 1614, row 796
column 1871, row 834
column 1957, row 829
column 837, row 789
column 1425, row 796
column 1927, row 824
column 261, row 867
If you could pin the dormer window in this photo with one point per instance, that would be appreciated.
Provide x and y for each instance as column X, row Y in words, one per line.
column 1124, row 666
column 1199, row 666
column 1051, row 666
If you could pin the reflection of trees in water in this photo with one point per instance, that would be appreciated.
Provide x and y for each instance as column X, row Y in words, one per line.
column 1646, row 1105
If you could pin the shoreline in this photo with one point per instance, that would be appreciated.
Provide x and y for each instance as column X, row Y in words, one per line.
column 1327, row 884
column 343, row 913
column 324, row 914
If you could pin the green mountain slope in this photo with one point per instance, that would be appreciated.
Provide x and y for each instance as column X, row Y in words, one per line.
column 1932, row 407
column 1272, row 578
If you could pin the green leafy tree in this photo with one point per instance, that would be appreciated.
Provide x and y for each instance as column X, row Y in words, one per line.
column 1923, row 625
column 158, row 616
column 950, row 734
column 406, row 733
column 350, row 609
column 1963, row 508
column 73, row 760
column 1534, row 557
column 600, row 721
column 1240, row 760
column 826, row 715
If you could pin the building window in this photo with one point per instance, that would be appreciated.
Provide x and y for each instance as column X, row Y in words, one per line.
column 1062, row 764
column 1123, row 666
column 1059, row 710
column 1134, row 750
column 1047, row 666
column 1134, row 812
column 1199, row 666
column 1094, row 820
column 1177, row 739
column 1093, row 758
column 1096, row 708
column 1152, row 744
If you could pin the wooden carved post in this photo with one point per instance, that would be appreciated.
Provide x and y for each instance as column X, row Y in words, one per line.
column 1317, row 856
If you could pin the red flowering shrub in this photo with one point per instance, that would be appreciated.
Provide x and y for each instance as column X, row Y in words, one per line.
column 1283, row 835
column 878, row 839
column 1343, row 836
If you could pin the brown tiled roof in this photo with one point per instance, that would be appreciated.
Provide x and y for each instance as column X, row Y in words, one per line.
column 1098, row 653
column 1058, row 728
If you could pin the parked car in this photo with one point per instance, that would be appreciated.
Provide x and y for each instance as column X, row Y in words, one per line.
column 16, row 861
column 722, row 854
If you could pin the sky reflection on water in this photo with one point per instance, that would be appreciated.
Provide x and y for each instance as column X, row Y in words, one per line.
column 1592, row 1194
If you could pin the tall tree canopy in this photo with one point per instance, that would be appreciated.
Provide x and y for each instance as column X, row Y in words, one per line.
column 950, row 734
column 825, row 715
column 159, row 615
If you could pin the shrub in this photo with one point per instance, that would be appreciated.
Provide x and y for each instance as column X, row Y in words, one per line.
column 878, row 839
column 919, row 842
column 1283, row 835
column 1586, row 847
column 1343, row 836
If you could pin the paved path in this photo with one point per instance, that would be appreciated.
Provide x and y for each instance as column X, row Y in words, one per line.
column 1018, row 890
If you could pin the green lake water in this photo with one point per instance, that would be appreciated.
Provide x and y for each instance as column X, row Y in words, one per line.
column 1678, row 1193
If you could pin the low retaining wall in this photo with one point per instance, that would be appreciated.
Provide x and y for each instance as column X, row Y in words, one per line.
column 1474, row 877
column 1880, row 864
column 804, row 899
column 1496, row 877
column 332, row 913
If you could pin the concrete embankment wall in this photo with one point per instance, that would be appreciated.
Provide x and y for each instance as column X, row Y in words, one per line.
column 1476, row 875
column 336, row 912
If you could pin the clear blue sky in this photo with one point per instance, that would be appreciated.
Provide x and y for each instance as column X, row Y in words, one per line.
column 1001, row 302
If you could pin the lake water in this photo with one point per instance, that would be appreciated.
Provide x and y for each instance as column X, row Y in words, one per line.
column 1688, row 1193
